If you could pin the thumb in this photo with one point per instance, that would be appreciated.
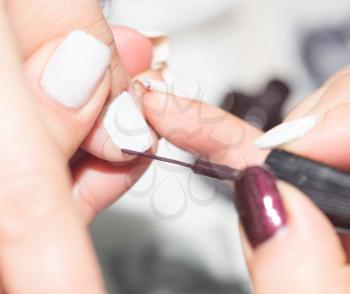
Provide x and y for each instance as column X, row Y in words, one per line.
column 72, row 78
column 287, row 240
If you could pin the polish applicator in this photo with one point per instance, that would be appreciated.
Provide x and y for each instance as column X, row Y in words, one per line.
column 200, row 167
column 327, row 187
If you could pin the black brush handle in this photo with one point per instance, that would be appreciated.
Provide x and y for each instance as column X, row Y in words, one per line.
column 328, row 187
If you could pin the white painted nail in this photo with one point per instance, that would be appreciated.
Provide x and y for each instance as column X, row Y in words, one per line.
column 161, row 48
column 287, row 132
column 106, row 6
column 154, row 85
column 125, row 124
column 75, row 69
column 161, row 67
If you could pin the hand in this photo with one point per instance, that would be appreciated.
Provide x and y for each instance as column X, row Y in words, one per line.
column 45, row 246
column 289, row 245
column 97, row 183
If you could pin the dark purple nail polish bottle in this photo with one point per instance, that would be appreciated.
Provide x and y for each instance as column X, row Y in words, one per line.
column 259, row 204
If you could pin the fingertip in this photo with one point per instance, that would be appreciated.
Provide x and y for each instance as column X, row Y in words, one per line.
column 308, row 226
column 307, row 246
column 135, row 50
column 69, row 125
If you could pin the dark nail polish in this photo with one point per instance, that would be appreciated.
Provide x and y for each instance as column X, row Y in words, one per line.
column 259, row 205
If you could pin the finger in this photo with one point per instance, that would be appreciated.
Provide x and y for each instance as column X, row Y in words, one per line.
column 72, row 80
column 310, row 102
column 288, row 241
column 122, row 124
column 84, row 71
column 107, row 137
column 38, row 224
column 326, row 139
column 319, row 134
column 305, row 105
column 306, row 116
column 50, row 21
column 327, row 143
column 336, row 93
column 98, row 183
column 203, row 129
column 329, row 139
column 135, row 50
column 103, row 142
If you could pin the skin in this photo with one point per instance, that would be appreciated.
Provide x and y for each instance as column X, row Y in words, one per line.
column 41, row 225
column 74, row 129
column 45, row 208
column 52, row 21
column 314, row 254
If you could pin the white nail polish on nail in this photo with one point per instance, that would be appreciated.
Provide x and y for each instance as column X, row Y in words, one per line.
column 154, row 85
column 126, row 125
column 75, row 69
column 161, row 48
column 287, row 132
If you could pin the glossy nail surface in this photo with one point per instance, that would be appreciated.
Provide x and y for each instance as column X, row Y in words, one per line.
column 259, row 205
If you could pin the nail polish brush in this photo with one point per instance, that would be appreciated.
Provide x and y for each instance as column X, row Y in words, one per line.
column 327, row 187
column 200, row 167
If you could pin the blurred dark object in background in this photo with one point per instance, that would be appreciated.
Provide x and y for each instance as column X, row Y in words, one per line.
column 264, row 110
column 326, row 50
column 137, row 258
column 152, row 272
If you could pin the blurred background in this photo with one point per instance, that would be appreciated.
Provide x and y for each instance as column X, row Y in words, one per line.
column 175, row 232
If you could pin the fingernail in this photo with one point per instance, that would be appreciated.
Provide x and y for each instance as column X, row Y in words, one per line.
column 161, row 48
column 106, row 6
column 125, row 124
column 160, row 67
column 287, row 132
column 75, row 69
column 154, row 85
column 259, row 205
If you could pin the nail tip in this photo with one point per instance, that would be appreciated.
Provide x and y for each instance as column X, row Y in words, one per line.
column 154, row 85
column 161, row 46
column 260, row 145
column 152, row 34
column 287, row 132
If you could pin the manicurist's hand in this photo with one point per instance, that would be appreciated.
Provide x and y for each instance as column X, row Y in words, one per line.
column 289, row 245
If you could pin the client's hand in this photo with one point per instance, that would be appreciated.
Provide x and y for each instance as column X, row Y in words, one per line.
column 77, row 71
column 45, row 247
column 54, row 89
